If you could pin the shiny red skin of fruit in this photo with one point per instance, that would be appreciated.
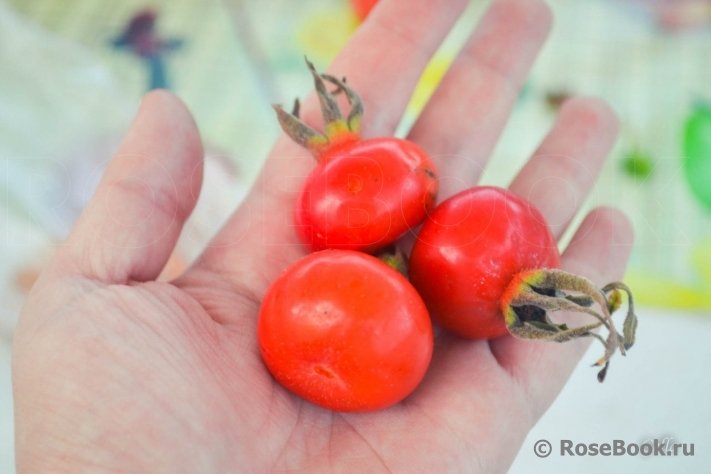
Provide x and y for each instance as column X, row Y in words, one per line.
column 468, row 251
column 345, row 331
column 365, row 194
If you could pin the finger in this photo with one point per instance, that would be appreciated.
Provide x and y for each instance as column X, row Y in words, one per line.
column 461, row 367
column 562, row 172
column 599, row 251
column 382, row 61
column 131, row 225
column 506, row 384
column 465, row 117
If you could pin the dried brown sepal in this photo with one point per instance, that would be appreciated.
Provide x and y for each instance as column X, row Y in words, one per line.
column 300, row 132
column 629, row 327
column 329, row 104
column 356, row 114
column 582, row 300
column 533, row 294
column 336, row 128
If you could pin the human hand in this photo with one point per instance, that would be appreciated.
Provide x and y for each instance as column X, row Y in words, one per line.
column 115, row 372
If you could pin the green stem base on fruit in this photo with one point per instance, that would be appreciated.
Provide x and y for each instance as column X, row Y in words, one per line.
column 336, row 129
column 532, row 294
column 395, row 258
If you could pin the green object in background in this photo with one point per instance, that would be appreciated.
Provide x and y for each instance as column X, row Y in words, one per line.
column 638, row 165
column 697, row 153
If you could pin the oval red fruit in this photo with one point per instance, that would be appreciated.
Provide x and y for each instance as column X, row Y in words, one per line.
column 468, row 251
column 363, row 195
column 345, row 331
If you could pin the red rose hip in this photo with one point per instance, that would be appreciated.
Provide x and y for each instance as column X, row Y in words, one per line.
column 467, row 253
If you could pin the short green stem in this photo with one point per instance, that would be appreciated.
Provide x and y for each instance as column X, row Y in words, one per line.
column 395, row 258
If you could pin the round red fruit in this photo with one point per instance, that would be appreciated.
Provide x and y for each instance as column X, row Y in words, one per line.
column 363, row 194
column 469, row 250
column 345, row 331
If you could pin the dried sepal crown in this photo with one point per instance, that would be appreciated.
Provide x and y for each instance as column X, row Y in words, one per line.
column 337, row 129
column 533, row 294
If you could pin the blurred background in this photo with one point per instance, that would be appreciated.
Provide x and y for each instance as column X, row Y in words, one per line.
column 72, row 74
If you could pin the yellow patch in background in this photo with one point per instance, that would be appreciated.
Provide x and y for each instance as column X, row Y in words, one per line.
column 324, row 34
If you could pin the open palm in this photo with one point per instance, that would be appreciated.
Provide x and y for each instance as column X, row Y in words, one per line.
column 115, row 372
